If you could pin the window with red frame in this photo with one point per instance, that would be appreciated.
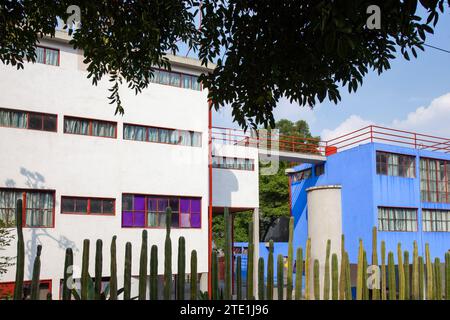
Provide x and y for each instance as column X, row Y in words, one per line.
column 7, row 290
column 96, row 206
column 47, row 56
column 393, row 164
column 28, row 120
column 89, row 127
column 397, row 219
column 435, row 180
column 39, row 207
column 150, row 211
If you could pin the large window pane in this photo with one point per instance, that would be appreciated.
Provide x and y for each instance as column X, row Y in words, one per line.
column 397, row 219
column 49, row 123
column 35, row 121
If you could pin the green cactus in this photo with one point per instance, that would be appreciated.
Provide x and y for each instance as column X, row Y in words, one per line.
column 415, row 273
column 113, row 268
column 391, row 278
column 68, row 273
column 168, row 257
column 348, row 283
column 290, row 262
column 365, row 287
column 154, row 273
column 250, row 269
column 270, row 274
column 280, row 277
column 383, row 271
column 181, row 277
column 228, row 255
column 36, row 273
column 342, row 271
column 85, row 271
column 127, row 272
column 360, row 274
column 239, row 278
column 261, row 279
column 214, row 277
column 375, row 290
column 98, row 269
column 429, row 273
column 20, row 260
column 421, row 278
column 316, row 280
column 308, row 270
column 437, row 279
column 194, row 275
column 447, row 276
column 407, row 276
column 401, row 273
column 299, row 274
column 143, row 260
column 334, row 277
column 326, row 281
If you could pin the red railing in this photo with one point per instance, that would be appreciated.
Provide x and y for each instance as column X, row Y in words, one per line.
column 267, row 140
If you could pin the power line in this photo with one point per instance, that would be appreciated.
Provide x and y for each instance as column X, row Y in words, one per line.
column 437, row 48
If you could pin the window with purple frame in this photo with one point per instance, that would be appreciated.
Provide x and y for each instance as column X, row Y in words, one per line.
column 141, row 211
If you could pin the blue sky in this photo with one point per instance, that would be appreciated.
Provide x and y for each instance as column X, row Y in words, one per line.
column 413, row 95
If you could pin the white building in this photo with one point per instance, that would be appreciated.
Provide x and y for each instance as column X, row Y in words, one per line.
column 87, row 174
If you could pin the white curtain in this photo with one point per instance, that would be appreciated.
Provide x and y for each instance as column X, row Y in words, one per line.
column 8, row 201
column 153, row 134
column 13, row 119
column 51, row 57
column 76, row 126
column 103, row 129
column 39, row 209
column 40, row 55
column 134, row 133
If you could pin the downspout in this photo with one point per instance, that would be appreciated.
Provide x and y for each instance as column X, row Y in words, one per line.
column 210, row 206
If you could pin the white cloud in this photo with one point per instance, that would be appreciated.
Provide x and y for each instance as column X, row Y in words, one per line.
column 433, row 119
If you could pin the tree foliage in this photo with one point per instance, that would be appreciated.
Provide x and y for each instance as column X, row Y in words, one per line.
column 5, row 240
column 303, row 50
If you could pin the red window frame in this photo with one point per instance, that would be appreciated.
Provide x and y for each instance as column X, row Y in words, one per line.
column 416, row 210
column 399, row 165
column 24, row 205
column 41, row 114
column 431, row 211
column 89, row 213
column 8, row 286
column 45, row 55
column 160, row 197
column 90, row 121
column 181, row 79
column 428, row 181
column 224, row 165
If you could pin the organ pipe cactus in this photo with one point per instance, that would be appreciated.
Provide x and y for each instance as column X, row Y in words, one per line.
column 290, row 262
column 194, row 275
column 326, row 281
column 415, row 273
column 168, row 257
column 85, row 271
column 437, row 279
column 342, row 271
column 214, row 277
column 36, row 273
column 316, row 280
column 20, row 260
column 127, row 272
column 365, row 287
column 348, row 284
column 447, row 276
column 98, row 269
column 299, row 274
column 154, row 273
column 113, row 268
column 250, row 269
column 308, row 270
column 239, row 278
column 407, row 276
column 270, row 273
column 334, row 277
column 68, row 273
column 383, row 271
column 181, row 278
column 421, row 278
column 401, row 273
column 261, row 279
column 360, row 275
column 143, row 260
column 375, row 290
column 429, row 273
column 280, row 276
column 228, row 255
column 391, row 278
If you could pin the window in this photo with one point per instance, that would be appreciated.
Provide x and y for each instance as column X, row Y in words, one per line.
column 78, row 205
column 39, row 207
column 47, row 56
column 397, row 219
column 176, row 79
column 27, row 120
column 436, row 220
column 89, row 127
column 150, row 211
column 7, row 290
column 162, row 135
column 392, row 164
column 301, row 175
column 232, row 163
column 434, row 180
column 319, row 170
